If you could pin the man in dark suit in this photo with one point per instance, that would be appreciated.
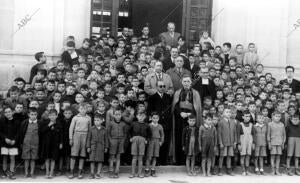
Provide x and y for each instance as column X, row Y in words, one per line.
column 204, row 85
column 169, row 60
column 191, row 66
column 293, row 83
column 161, row 103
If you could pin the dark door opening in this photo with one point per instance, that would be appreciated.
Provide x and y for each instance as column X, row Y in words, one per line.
column 155, row 13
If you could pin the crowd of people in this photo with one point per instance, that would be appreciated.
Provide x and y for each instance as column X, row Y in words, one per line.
column 150, row 101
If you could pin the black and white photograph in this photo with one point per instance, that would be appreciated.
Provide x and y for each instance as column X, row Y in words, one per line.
column 152, row 91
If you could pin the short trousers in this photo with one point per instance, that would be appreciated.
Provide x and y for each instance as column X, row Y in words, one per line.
column 276, row 150
column 138, row 146
column 226, row 151
column 116, row 146
column 293, row 148
column 13, row 151
column 260, row 151
column 78, row 148
column 153, row 148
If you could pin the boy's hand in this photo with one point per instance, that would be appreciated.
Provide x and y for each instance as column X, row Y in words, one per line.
column 160, row 143
column 146, row 142
column 88, row 150
column 253, row 146
column 7, row 141
column 12, row 142
column 200, row 149
column 269, row 146
column 239, row 147
column 71, row 142
column 60, row 146
column 105, row 150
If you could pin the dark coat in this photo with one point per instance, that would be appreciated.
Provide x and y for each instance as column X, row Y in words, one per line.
column 52, row 137
column 194, row 71
column 205, row 90
column 295, row 85
column 163, row 107
column 8, row 129
column 186, row 136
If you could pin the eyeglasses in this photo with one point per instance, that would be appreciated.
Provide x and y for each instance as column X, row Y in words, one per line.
column 161, row 86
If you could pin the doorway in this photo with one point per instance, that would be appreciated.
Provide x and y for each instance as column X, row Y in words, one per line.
column 156, row 14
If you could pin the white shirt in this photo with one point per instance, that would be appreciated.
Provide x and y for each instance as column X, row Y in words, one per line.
column 35, row 121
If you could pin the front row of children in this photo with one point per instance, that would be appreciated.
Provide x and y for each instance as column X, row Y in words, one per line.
column 223, row 138
column 45, row 140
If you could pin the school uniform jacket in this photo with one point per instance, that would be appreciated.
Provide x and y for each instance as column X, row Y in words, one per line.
column 227, row 134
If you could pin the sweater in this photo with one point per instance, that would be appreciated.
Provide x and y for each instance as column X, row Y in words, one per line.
column 140, row 129
column 80, row 124
column 227, row 135
column 293, row 130
column 276, row 133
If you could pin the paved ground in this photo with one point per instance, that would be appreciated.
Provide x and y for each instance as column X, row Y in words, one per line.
column 171, row 178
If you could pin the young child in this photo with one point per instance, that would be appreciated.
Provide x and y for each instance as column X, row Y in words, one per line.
column 259, row 133
column 157, row 139
column 246, row 140
column 29, row 140
column 276, row 138
column 207, row 143
column 79, row 129
column 190, row 144
column 114, row 103
column 293, row 147
column 116, row 132
column 8, row 135
column 51, row 133
column 65, row 121
column 139, row 132
column 97, row 144
column 227, row 138
column 206, row 39
column 251, row 56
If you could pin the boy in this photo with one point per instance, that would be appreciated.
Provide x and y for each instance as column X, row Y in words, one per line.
column 293, row 148
column 227, row 137
column 246, row 140
column 65, row 121
column 29, row 141
column 157, row 139
column 97, row 145
column 8, row 135
column 114, row 103
column 14, row 98
column 276, row 138
column 140, row 133
column 41, row 58
column 207, row 144
column 259, row 133
column 79, row 128
column 116, row 132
